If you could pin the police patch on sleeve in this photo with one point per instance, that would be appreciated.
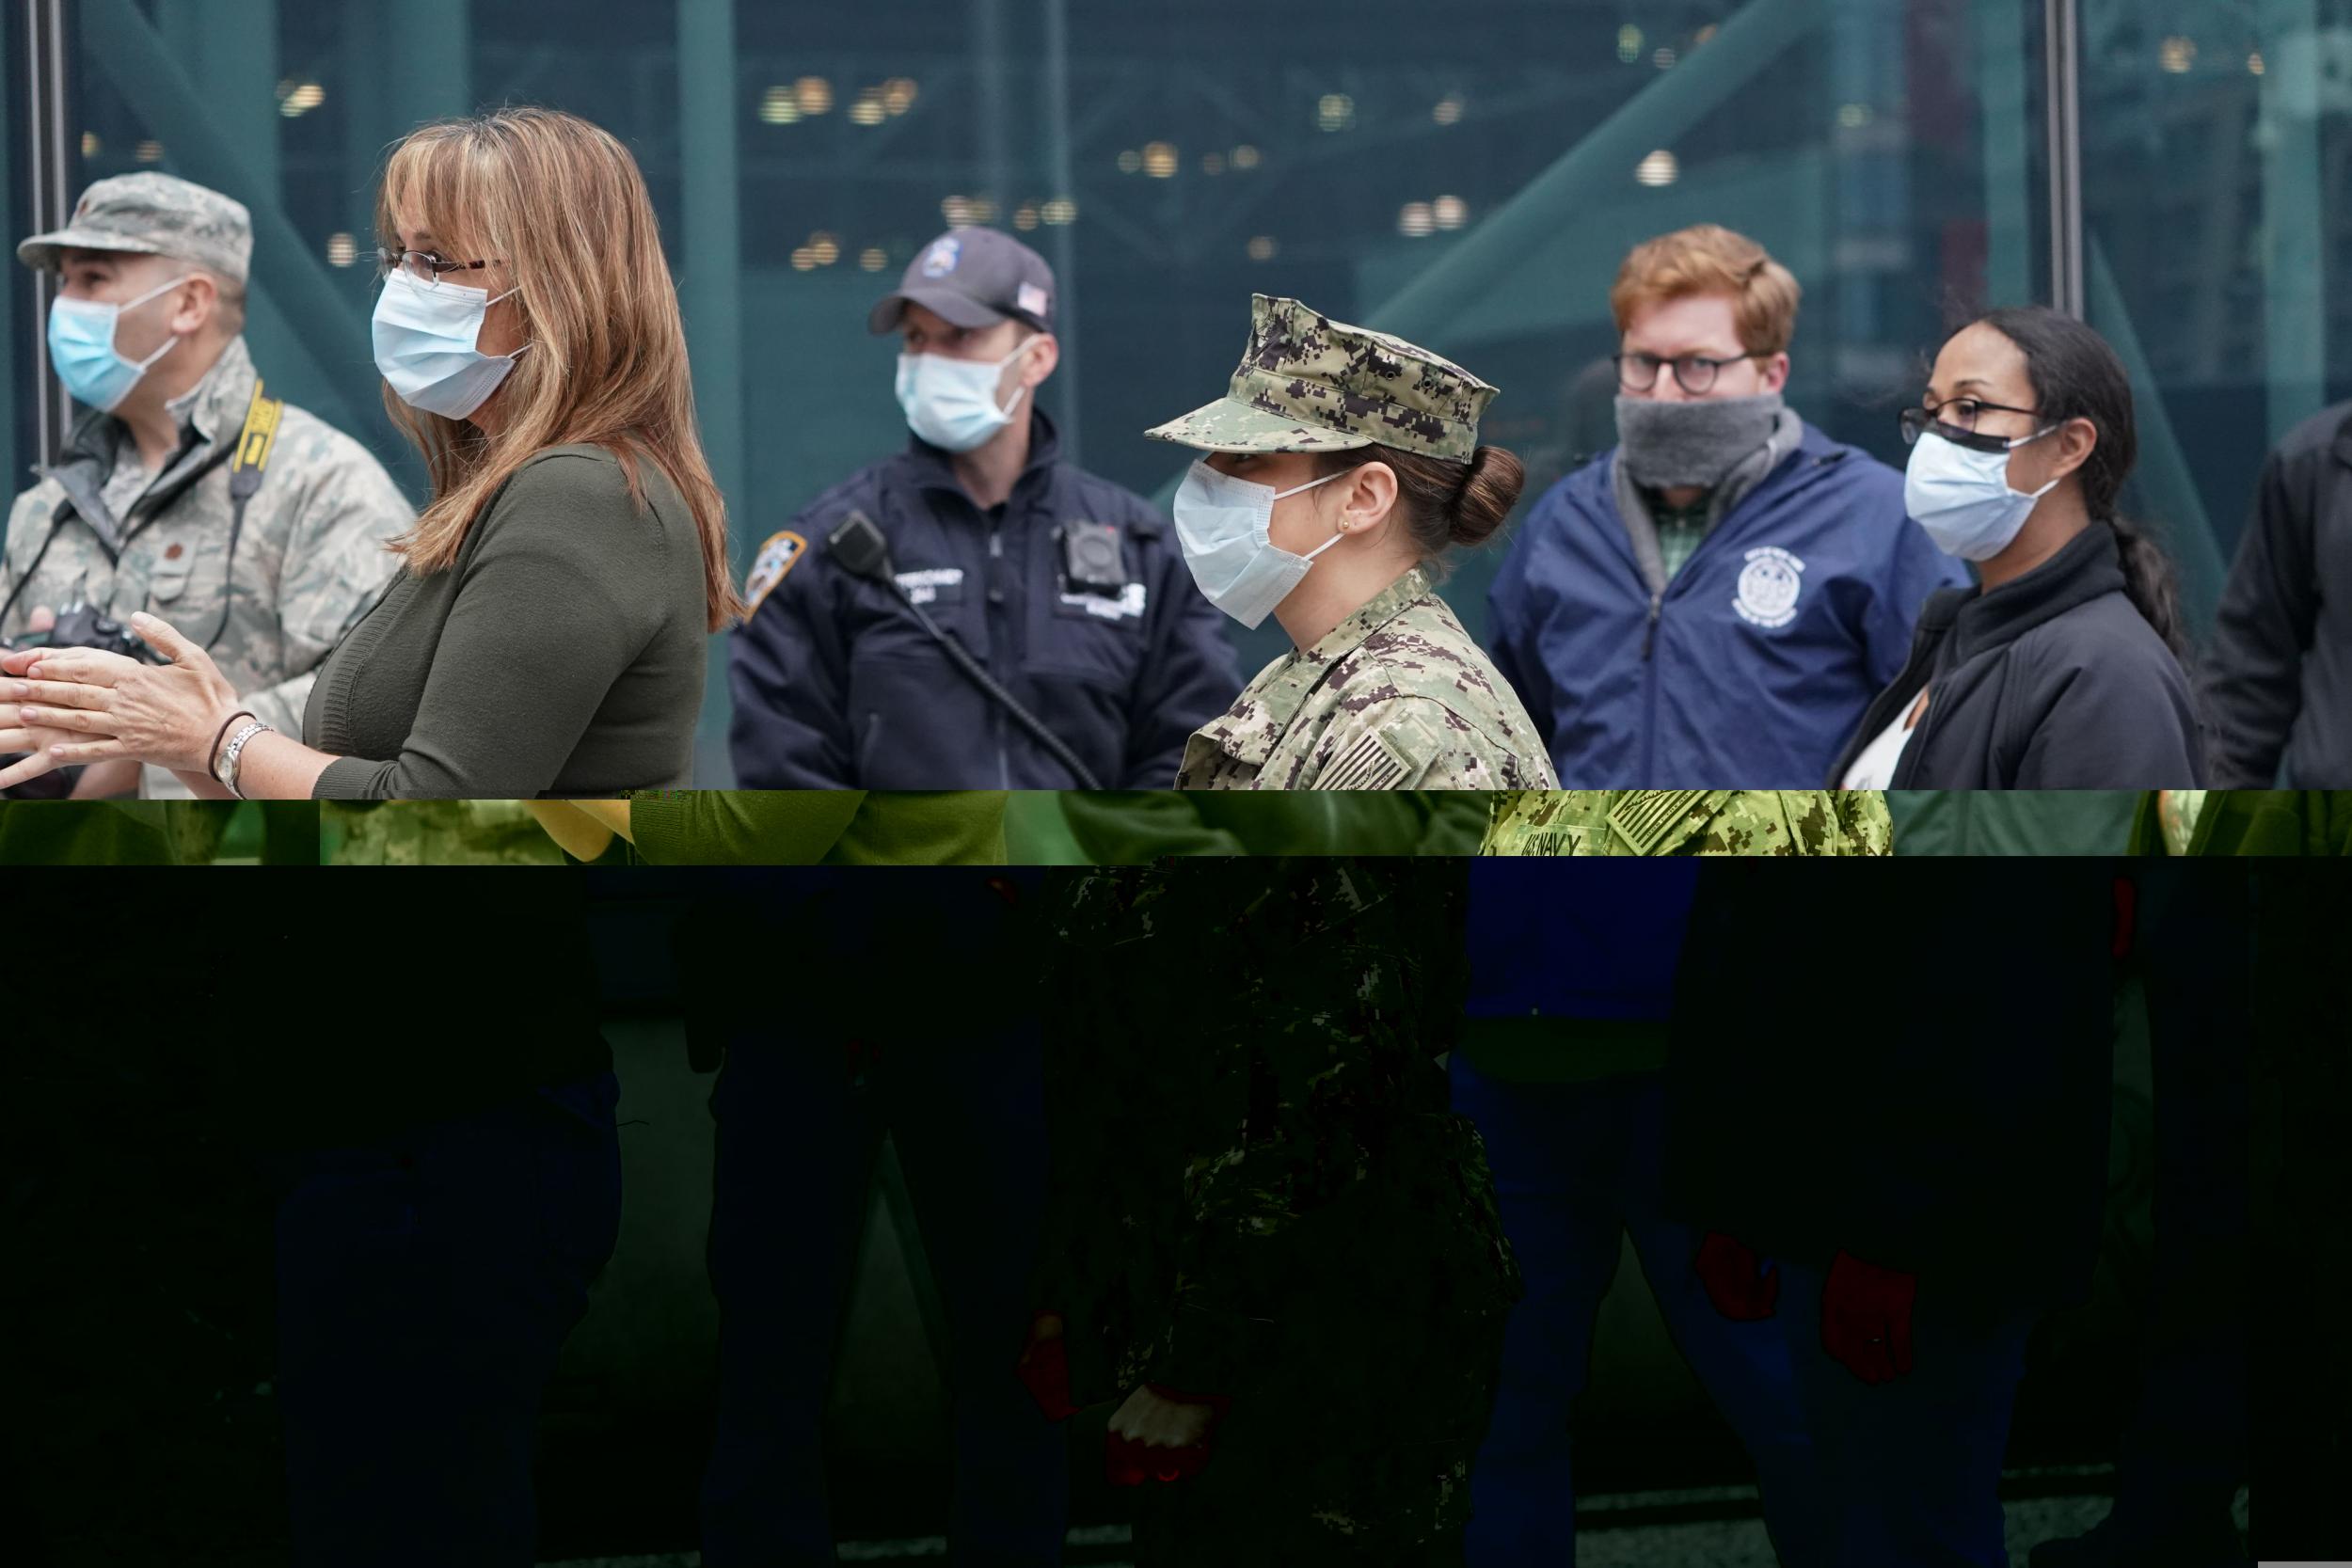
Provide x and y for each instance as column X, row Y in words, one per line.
column 775, row 559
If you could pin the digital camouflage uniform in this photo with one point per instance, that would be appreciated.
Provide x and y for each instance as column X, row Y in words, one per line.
column 1397, row 696
column 1690, row 822
column 309, row 557
column 435, row 833
column 1258, row 1192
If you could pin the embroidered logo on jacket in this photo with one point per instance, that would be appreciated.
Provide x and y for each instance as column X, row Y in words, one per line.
column 1769, row 584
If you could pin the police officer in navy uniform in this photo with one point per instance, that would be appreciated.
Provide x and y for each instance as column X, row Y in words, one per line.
column 1067, row 593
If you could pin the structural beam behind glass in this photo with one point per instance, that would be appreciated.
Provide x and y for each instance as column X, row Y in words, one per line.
column 2295, row 214
column 710, row 296
column 1676, row 101
column 231, row 47
column 2005, row 114
column 323, row 311
column 1065, row 258
column 2062, row 69
column 2177, row 515
column 49, row 124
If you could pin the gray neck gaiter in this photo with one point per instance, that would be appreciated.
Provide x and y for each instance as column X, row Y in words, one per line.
column 1668, row 445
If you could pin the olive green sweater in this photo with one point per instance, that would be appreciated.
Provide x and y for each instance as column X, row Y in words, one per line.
column 562, row 655
column 810, row 827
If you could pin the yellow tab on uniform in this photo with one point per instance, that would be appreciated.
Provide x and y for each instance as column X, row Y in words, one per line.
column 777, row 557
column 260, row 432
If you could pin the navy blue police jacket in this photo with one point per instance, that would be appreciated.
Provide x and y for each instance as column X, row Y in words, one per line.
column 837, row 687
column 1791, row 616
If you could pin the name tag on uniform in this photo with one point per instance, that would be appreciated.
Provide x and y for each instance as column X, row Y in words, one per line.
column 1127, row 605
column 1539, row 841
column 933, row 585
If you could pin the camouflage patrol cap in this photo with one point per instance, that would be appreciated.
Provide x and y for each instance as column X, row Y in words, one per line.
column 155, row 214
column 1311, row 384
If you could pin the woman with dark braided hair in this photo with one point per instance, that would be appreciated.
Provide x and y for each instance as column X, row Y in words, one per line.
column 2062, row 668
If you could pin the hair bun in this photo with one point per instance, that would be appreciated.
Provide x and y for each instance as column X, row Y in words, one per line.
column 1490, row 487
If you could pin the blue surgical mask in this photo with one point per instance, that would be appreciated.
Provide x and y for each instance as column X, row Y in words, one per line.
column 952, row 403
column 1222, row 526
column 425, row 335
column 82, row 347
column 1961, row 496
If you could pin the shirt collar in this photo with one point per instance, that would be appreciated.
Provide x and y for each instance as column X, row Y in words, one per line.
column 936, row 468
column 1285, row 687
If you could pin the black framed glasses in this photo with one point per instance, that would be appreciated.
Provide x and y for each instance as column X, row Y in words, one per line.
column 427, row 267
column 1693, row 372
column 1955, row 420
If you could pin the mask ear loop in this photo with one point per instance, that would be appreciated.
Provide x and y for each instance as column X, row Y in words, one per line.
column 171, row 341
column 2028, row 441
column 1337, row 534
column 1022, row 390
column 510, row 293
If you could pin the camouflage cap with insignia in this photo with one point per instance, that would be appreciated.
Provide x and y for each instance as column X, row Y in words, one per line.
column 1311, row 384
column 155, row 214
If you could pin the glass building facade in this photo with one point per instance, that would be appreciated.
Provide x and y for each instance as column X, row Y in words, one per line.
column 1467, row 175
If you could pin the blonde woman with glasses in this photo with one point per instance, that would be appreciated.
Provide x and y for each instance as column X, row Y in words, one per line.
column 547, row 636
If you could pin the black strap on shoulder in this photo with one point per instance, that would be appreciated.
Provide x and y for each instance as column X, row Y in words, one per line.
column 254, row 444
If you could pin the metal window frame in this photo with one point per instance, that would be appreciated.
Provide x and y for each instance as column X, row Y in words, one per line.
column 2062, row 82
column 48, row 26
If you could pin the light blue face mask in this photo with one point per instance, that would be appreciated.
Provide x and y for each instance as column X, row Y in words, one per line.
column 1963, row 498
column 952, row 403
column 1222, row 526
column 82, row 347
column 425, row 335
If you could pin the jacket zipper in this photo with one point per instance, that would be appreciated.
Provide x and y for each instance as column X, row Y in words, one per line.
column 995, row 641
column 1649, row 687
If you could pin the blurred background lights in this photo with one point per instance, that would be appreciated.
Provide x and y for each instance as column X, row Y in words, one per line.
column 296, row 99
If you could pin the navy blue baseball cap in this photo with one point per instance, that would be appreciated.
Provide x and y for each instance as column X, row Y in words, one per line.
column 973, row 278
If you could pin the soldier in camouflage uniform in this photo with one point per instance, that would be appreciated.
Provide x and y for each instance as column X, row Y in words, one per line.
column 1260, row 1196
column 1397, row 695
column 1689, row 822
column 124, row 524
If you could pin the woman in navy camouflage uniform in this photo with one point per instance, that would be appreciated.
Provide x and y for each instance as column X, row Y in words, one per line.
column 1269, row 1238
column 1342, row 466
